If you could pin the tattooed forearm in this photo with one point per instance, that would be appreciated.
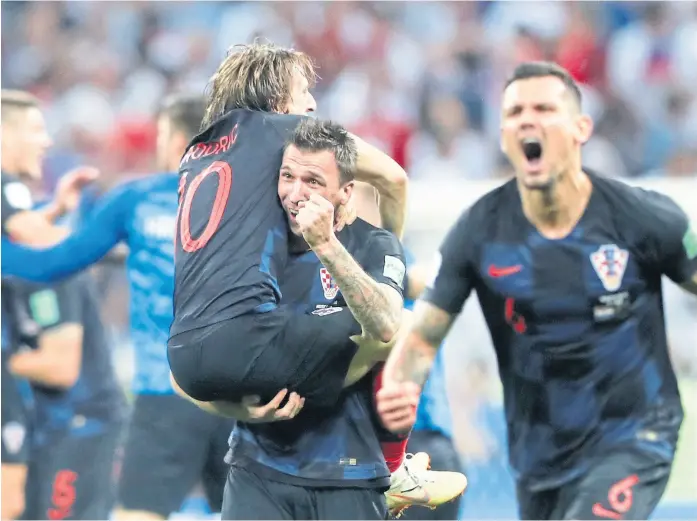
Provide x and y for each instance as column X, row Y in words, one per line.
column 412, row 359
column 377, row 307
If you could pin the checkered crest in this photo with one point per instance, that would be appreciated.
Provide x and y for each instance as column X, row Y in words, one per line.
column 610, row 262
column 328, row 285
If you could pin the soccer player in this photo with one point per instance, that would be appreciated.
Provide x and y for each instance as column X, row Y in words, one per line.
column 567, row 266
column 79, row 405
column 60, row 348
column 329, row 463
column 25, row 141
column 165, row 432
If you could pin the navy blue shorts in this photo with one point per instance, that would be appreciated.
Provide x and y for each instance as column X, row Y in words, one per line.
column 73, row 477
column 250, row 496
column 172, row 445
column 261, row 354
column 625, row 484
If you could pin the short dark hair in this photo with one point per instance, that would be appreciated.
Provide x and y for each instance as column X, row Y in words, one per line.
column 316, row 136
column 541, row 69
column 13, row 100
column 185, row 112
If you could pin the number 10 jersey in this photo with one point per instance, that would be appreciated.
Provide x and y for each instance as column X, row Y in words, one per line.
column 231, row 235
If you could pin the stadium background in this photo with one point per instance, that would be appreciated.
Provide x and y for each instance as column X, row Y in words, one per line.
column 423, row 81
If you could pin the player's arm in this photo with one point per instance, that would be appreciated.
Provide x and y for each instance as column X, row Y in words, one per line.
column 673, row 243
column 434, row 313
column 57, row 360
column 249, row 410
column 373, row 294
column 389, row 179
column 85, row 246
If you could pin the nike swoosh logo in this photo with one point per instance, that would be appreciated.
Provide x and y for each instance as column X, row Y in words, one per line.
column 503, row 271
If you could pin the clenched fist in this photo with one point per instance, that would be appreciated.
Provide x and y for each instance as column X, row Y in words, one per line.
column 316, row 220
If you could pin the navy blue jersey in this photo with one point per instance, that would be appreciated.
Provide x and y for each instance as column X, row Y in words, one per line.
column 231, row 239
column 577, row 323
column 141, row 213
column 335, row 446
column 96, row 399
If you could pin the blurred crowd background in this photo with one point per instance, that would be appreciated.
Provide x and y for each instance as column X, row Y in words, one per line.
column 420, row 79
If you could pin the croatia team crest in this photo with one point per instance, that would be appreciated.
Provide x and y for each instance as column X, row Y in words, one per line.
column 609, row 263
column 328, row 285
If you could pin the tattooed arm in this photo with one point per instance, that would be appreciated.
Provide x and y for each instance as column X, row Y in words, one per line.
column 377, row 306
column 389, row 179
column 411, row 360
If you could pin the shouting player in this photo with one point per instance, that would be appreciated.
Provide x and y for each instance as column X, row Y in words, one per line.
column 567, row 267
column 329, row 463
column 165, row 431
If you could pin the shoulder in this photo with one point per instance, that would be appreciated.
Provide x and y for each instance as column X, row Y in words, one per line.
column 633, row 206
column 284, row 124
column 365, row 233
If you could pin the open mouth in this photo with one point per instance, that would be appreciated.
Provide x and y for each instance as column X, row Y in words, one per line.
column 532, row 148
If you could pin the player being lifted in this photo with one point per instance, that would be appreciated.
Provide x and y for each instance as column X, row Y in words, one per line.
column 567, row 267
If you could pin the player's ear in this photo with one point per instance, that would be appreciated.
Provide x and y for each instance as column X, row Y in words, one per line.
column 346, row 192
column 584, row 128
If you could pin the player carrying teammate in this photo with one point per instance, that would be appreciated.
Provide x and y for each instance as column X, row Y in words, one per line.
column 329, row 463
column 567, row 266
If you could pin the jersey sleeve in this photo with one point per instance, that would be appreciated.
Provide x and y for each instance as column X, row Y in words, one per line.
column 103, row 230
column 53, row 306
column 386, row 262
column 16, row 198
column 453, row 269
column 672, row 240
